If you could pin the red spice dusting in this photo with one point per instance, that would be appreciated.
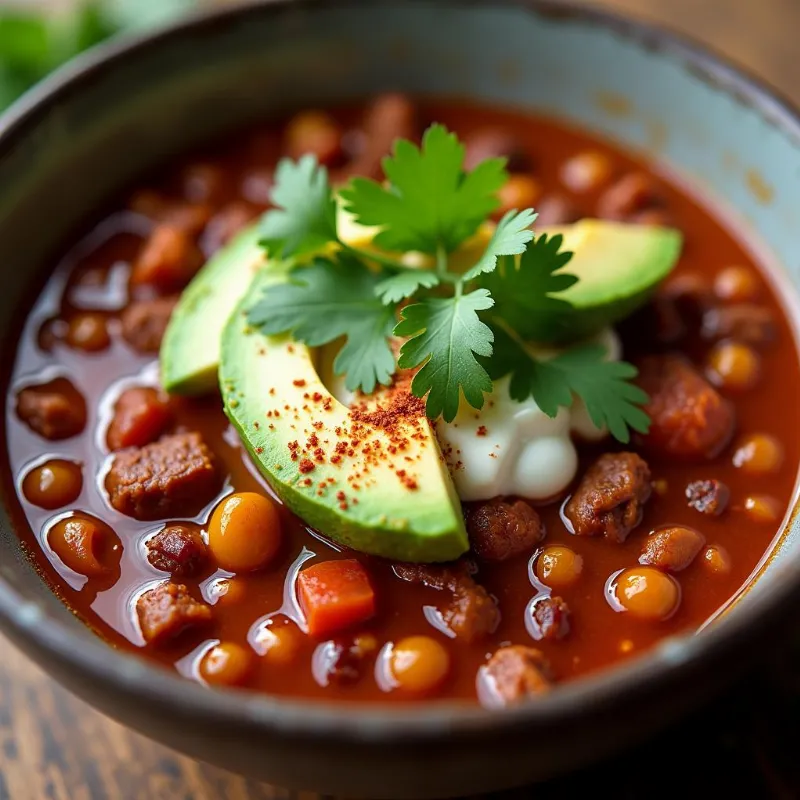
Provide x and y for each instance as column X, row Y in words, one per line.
column 319, row 455
column 328, row 404
column 318, row 426
column 336, row 459
column 259, row 450
column 316, row 397
column 340, row 496
column 271, row 427
column 299, row 383
column 277, row 413
column 295, row 445
column 341, row 447
column 290, row 348
column 307, row 482
column 256, row 424
column 306, row 465
column 481, row 430
column 406, row 479
column 272, row 391
column 313, row 441
column 306, row 396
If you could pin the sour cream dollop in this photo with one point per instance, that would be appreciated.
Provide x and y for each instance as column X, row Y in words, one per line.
column 512, row 448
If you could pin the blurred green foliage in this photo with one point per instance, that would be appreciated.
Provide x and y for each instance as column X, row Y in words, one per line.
column 33, row 43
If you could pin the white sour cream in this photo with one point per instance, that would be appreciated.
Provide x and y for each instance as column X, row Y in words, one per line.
column 512, row 448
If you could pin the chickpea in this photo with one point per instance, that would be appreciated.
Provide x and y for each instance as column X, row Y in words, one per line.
column 559, row 567
column 314, row 132
column 734, row 366
column 85, row 545
column 586, row 172
column 280, row 643
column 648, row 593
column 759, row 454
column 419, row 664
column 763, row 508
column 88, row 332
column 661, row 487
column 244, row 533
column 230, row 591
column 227, row 664
column 737, row 285
column 54, row 484
column 519, row 191
column 717, row 560
column 658, row 217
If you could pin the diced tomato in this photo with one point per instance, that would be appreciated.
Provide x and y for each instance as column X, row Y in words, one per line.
column 141, row 415
column 168, row 259
column 335, row 595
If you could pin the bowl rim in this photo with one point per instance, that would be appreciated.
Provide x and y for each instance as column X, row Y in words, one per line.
column 675, row 660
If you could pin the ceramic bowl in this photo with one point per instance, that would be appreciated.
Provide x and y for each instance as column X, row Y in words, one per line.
column 96, row 126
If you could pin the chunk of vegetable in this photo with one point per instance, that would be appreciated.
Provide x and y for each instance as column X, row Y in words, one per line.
column 335, row 595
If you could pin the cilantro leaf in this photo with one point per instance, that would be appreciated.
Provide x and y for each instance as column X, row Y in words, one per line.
column 431, row 203
column 604, row 386
column 329, row 299
column 523, row 291
column 510, row 238
column 445, row 334
column 404, row 284
column 305, row 217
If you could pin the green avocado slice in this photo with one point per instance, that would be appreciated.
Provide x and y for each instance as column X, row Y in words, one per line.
column 190, row 350
column 619, row 265
column 383, row 490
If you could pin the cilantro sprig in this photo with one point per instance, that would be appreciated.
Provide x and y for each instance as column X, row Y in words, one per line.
column 328, row 299
column 463, row 328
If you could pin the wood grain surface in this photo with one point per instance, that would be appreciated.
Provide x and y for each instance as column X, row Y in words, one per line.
column 54, row 747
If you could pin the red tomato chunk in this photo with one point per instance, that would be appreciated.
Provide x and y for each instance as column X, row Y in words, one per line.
column 335, row 595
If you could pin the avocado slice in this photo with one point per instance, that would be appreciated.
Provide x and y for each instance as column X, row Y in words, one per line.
column 388, row 491
column 620, row 265
column 190, row 350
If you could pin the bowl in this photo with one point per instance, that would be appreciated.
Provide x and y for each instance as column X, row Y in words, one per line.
column 103, row 121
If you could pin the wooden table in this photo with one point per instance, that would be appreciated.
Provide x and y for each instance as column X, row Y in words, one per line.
column 53, row 746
